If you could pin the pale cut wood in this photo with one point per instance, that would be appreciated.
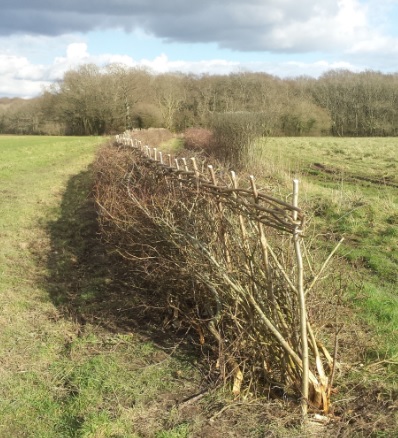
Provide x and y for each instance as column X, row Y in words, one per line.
column 303, row 309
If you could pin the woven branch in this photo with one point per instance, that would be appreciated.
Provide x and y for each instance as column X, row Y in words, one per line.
column 266, row 209
column 238, row 246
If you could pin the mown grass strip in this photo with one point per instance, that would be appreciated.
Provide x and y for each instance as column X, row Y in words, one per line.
column 62, row 375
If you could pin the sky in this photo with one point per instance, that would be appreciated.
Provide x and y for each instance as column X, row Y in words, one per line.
column 42, row 39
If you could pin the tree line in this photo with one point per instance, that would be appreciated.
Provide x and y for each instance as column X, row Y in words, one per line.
column 97, row 101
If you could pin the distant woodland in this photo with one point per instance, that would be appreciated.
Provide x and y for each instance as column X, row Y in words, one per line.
column 100, row 101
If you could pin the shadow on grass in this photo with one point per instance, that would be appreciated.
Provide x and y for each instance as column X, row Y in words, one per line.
column 90, row 282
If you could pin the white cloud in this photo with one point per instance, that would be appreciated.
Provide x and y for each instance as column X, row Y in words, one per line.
column 323, row 27
column 77, row 51
column 20, row 77
column 354, row 34
column 378, row 45
column 315, row 69
column 20, row 68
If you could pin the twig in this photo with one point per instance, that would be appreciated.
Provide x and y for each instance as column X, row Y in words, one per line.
column 324, row 266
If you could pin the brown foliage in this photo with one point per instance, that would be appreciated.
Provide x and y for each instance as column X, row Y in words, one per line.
column 198, row 139
column 233, row 133
column 153, row 135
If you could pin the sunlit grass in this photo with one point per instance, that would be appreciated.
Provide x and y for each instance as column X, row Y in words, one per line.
column 56, row 379
column 369, row 157
column 173, row 145
column 349, row 187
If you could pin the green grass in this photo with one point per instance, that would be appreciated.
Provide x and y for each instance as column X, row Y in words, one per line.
column 369, row 157
column 74, row 359
column 64, row 372
column 350, row 187
column 173, row 145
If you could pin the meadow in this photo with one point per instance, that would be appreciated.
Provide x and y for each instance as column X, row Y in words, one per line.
column 67, row 367
column 350, row 188
column 76, row 357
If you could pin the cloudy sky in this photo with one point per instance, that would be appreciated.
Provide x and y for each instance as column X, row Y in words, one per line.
column 41, row 39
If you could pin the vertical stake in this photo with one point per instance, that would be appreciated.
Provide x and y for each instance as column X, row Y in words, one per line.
column 254, row 188
column 303, row 311
column 178, row 168
column 212, row 174
column 241, row 221
column 184, row 160
column 195, row 168
column 223, row 232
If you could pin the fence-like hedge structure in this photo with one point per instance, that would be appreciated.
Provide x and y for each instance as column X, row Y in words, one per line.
column 240, row 248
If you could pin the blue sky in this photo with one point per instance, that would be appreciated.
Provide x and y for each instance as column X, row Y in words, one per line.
column 41, row 39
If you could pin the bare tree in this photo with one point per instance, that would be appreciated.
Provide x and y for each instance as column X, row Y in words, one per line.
column 169, row 96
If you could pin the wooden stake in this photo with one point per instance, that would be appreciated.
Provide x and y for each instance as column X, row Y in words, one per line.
column 184, row 160
column 303, row 310
column 223, row 233
column 246, row 245
column 178, row 168
column 195, row 168
column 241, row 223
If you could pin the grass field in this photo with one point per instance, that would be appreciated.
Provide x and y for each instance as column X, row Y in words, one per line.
column 350, row 187
column 67, row 370
column 80, row 358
